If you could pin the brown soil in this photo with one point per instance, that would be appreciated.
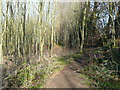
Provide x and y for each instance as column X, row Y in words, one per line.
column 67, row 78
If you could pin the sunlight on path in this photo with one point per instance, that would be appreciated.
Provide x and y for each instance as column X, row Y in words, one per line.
column 66, row 78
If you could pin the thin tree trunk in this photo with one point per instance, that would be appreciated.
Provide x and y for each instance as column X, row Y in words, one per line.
column 24, row 24
column 113, row 23
column 52, row 29
column 0, row 34
column 83, row 29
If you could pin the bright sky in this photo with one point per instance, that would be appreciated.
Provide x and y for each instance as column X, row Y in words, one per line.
column 63, row 0
column 31, row 8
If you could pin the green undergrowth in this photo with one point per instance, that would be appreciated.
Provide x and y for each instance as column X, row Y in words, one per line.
column 98, row 72
column 87, row 81
column 34, row 73
column 103, row 78
column 60, row 63
column 103, row 70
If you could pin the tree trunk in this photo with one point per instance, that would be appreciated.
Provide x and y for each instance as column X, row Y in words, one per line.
column 113, row 23
column 83, row 29
column 0, row 34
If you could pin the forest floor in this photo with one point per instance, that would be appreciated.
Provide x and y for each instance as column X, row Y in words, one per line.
column 87, row 69
column 68, row 77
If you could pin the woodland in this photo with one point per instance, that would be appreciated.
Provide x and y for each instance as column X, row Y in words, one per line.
column 38, row 39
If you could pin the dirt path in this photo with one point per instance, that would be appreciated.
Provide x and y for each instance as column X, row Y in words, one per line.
column 67, row 78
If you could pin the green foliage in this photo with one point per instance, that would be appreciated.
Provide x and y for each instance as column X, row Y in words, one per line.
column 77, row 56
column 28, row 75
column 86, row 81
column 116, row 55
column 31, row 34
column 102, row 76
column 103, row 72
